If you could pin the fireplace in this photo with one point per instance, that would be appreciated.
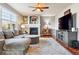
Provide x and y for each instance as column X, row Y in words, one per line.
column 34, row 31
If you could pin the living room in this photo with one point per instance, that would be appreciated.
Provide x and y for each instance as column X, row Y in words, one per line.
column 37, row 29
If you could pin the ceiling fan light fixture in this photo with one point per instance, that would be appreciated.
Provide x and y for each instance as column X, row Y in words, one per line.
column 38, row 10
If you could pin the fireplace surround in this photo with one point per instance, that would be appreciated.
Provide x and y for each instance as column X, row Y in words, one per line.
column 34, row 31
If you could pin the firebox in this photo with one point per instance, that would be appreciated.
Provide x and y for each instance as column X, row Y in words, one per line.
column 34, row 31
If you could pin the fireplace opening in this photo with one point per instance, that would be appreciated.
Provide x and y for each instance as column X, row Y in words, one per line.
column 34, row 31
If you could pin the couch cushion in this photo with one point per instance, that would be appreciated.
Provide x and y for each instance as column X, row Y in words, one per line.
column 13, row 52
column 16, row 44
column 17, row 40
column 15, row 32
column 8, row 34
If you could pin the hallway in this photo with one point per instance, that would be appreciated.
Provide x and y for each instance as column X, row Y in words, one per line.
column 47, row 46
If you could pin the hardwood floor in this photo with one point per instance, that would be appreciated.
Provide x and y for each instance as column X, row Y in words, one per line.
column 46, row 35
column 74, row 51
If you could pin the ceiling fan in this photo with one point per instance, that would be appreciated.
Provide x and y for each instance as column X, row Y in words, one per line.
column 39, row 7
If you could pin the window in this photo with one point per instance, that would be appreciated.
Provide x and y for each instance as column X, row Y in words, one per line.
column 8, row 19
column 5, row 25
column 5, row 14
column 13, row 17
column 0, row 12
column 8, row 15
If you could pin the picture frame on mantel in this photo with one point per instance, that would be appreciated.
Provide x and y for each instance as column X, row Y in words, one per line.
column 67, row 12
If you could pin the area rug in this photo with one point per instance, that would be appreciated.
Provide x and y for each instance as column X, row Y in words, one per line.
column 47, row 46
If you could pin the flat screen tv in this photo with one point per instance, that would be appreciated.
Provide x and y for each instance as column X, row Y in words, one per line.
column 66, row 22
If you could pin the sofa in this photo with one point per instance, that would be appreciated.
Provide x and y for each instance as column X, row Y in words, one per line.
column 1, row 42
column 14, row 45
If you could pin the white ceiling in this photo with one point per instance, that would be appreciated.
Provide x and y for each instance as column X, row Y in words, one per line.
column 24, row 9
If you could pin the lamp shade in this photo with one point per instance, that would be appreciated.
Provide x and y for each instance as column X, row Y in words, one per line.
column 23, row 26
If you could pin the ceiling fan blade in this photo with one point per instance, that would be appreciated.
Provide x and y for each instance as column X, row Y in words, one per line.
column 31, row 6
column 44, row 7
column 41, row 10
column 34, row 10
column 40, row 7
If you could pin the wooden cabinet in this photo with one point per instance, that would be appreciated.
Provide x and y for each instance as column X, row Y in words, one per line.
column 66, row 36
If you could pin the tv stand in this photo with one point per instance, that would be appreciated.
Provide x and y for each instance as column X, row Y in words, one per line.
column 66, row 36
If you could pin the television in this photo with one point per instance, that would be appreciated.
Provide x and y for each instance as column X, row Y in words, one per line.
column 66, row 22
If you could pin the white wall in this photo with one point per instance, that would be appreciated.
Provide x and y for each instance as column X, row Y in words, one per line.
column 74, row 9
column 52, row 22
column 0, row 19
column 50, row 19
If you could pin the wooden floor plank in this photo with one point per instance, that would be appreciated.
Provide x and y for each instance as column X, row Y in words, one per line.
column 74, row 51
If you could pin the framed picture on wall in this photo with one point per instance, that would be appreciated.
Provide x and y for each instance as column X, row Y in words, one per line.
column 33, row 19
column 67, row 12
